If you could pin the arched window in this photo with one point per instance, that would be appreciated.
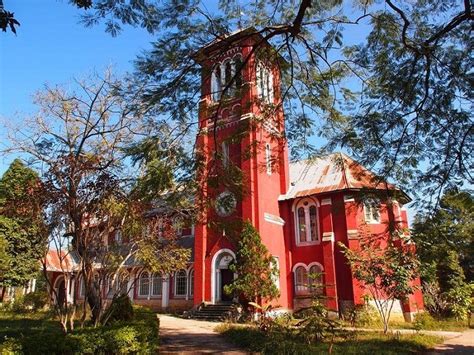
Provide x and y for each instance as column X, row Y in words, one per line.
column 216, row 83
column 264, row 83
column 316, row 279
column 156, row 285
column 225, row 154
column 82, row 287
column 307, row 222
column 191, row 283
column 144, row 284
column 180, row 283
column 301, row 280
column 238, row 71
column 268, row 158
column 372, row 210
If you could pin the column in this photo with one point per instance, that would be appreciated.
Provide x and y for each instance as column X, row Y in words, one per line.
column 328, row 253
column 165, row 291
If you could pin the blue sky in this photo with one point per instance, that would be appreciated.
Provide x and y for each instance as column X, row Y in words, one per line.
column 52, row 47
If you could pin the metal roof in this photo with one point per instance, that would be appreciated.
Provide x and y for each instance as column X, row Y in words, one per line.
column 334, row 172
column 61, row 261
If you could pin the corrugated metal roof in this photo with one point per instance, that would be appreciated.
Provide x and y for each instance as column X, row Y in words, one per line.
column 61, row 261
column 334, row 172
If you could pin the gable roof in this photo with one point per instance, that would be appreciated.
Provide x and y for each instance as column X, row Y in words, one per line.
column 61, row 261
column 334, row 172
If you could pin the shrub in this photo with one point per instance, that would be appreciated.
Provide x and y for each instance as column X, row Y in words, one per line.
column 424, row 320
column 35, row 300
column 120, row 309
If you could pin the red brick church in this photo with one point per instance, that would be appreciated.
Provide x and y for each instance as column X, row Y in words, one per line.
column 301, row 209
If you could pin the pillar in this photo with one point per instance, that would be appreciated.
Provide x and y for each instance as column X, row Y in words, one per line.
column 328, row 253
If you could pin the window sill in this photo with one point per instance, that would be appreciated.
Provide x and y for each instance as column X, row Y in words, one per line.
column 305, row 244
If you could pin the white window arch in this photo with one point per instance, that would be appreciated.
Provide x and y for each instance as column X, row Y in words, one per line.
column 372, row 210
column 307, row 226
column 308, row 278
column 180, row 283
column 216, row 83
column 144, row 284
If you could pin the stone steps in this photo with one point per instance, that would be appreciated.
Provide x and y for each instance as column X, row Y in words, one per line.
column 213, row 312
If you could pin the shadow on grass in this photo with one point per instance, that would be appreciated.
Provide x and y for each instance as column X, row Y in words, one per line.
column 344, row 343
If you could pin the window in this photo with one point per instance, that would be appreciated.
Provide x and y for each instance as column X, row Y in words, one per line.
column 82, row 287
column 371, row 210
column 180, row 283
column 301, row 280
column 118, row 237
column 225, row 154
column 264, row 83
column 156, row 285
column 191, row 283
column 307, row 222
column 144, row 284
column 276, row 276
column 315, row 279
column 227, row 75
column 268, row 159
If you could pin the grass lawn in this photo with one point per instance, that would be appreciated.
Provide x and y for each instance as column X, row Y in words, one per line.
column 425, row 322
column 39, row 333
column 371, row 343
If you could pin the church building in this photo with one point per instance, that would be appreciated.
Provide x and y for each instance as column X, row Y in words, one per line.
column 301, row 209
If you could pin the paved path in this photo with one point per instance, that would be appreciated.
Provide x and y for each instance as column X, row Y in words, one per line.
column 189, row 336
column 462, row 344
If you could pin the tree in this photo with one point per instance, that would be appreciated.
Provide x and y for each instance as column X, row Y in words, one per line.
column 400, row 98
column 449, row 228
column 256, row 270
column 386, row 271
column 78, row 141
column 21, row 224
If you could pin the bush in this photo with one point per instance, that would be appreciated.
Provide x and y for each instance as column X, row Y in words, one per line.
column 120, row 309
column 424, row 320
column 35, row 300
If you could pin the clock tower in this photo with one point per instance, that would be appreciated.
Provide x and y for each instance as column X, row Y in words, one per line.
column 242, row 146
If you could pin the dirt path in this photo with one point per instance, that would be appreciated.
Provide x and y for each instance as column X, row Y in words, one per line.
column 462, row 344
column 188, row 336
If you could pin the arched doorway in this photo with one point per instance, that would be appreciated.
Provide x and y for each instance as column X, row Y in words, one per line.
column 222, row 275
column 61, row 294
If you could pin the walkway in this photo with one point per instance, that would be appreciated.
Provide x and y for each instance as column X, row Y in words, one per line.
column 188, row 336
column 462, row 344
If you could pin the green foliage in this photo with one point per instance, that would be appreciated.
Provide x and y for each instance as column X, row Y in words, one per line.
column 22, row 231
column 387, row 272
column 120, row 309
column 35, row 333
column 448, row 229
column 254, row 340
column 255, row 268
column 36, row 301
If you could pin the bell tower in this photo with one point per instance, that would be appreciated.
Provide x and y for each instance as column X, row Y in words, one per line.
column 242, row 144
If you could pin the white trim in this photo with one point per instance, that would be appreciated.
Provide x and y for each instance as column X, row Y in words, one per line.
column 317, row 264
column 326, row 201
column 214, row 271
column 349, row 198
column 273, row 219
column 176, row 284
column 328, row 237
column 352, row 234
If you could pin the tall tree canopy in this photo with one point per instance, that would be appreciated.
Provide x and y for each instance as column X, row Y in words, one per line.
column 396, row 92
column 22, row 229
column 449, row 229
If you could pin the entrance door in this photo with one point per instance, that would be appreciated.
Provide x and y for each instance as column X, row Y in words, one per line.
column 227, row 277
column 61, row 294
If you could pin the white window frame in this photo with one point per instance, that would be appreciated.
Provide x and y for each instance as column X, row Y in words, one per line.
column 306, row 204
column 372, row 206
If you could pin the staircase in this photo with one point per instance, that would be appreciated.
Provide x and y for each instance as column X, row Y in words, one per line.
column 213, row 312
